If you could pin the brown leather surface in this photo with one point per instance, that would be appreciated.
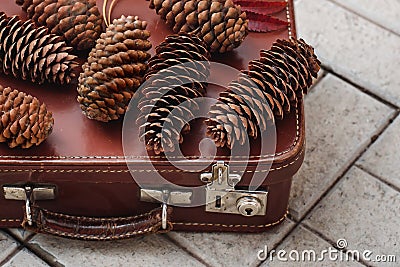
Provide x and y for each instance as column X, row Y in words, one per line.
column 85, row 159
column 76, row 136
column 94, row 228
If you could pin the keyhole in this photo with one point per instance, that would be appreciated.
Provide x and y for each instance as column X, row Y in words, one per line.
column 249, row 211
column 218, row 202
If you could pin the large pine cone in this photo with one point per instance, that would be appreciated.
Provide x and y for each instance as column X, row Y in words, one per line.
column 220, row 23
column 32, row 54
column 176, row 76
column 24, row 121
column 78, row 21
column 268, row 88
column 115, row 69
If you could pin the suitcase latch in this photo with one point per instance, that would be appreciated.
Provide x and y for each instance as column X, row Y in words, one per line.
column 223, row 197
column 165, row 197
column 29, row 193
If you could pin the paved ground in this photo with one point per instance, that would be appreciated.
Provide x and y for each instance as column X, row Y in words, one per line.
column 349, row 185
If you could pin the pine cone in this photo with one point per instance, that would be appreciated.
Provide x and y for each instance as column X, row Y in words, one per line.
column 115, row 69
column 268, row 88
column 176, row 76
column 220, row 23
column 32, row 54
column 24, row 121
column 78, row 21
column 182, row 48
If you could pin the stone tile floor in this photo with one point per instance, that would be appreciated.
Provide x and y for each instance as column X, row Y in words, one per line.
column 348, row 187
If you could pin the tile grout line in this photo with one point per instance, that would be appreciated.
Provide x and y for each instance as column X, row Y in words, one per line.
column 361, row 88
column 364, row 17
column 339, row 178
column 22, row 241
column 289, row 217
column 11, row 255
column 25, row 244
column 377, row 177
column 34, row 251
column 190, row 253
column 352, row 164
column 282, row 239
column 15, row 251
column 332, row 243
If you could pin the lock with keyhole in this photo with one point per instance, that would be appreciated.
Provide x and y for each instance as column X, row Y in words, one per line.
column 248, row 206
column 223, row 197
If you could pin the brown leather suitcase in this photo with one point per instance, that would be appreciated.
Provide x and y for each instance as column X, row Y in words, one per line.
column 77, row 183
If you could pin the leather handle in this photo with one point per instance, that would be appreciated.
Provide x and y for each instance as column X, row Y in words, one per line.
column 93, row 228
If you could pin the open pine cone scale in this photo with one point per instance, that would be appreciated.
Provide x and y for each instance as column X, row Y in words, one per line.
column 78, row 22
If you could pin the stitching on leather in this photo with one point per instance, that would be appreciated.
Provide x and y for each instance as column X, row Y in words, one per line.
column 235, row 225
column 93, row 237
column 10, row 220
column 150, row 229
column 289, row 19
column 174, row 223
column 93, row 219
column 143, row 171
column 163, row 157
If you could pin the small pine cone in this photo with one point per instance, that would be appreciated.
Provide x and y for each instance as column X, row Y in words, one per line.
column 268, row 88
column 24, row 121
column 220, row 23
column 78, row 21
column 32, row 54
column 115, row 69
column 176, row 76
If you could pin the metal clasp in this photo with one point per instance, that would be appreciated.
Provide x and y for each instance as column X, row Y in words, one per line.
column 29, row 194
column 165, row 197
column 164, row 207
column 220, row 178
column 223, row 197
column 161, row 195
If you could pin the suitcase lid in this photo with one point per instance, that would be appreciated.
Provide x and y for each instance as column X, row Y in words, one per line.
column 78, row 141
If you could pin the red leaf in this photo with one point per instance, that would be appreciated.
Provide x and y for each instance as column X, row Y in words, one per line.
column 262, row 23
column 266, row 8
column 260, row 10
